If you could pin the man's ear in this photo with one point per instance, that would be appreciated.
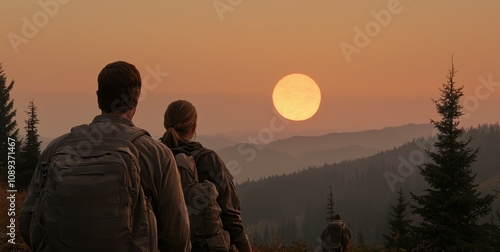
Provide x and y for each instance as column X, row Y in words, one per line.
column 137, row 95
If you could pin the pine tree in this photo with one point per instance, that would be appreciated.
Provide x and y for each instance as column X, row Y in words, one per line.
column 360, row 239
column 451, row 205
column 329, row 206
column 267, row 233
column 492, row 236
column 8, row 125
column 30, row 147
column 496, row 233
column 399, row 225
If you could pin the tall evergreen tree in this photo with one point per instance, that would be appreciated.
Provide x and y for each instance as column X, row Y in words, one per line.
column 399, row 224
column 8, row 125
column 360, row 238
column 492, row 236
column 451, row 205
column 496, row 233
column 30, row 147
column 329, row 206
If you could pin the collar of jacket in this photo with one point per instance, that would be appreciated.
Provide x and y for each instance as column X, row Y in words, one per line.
column 112, row 119
column 187, row 147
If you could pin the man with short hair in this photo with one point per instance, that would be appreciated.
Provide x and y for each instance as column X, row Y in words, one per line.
column 157, row 204
column 336, row 236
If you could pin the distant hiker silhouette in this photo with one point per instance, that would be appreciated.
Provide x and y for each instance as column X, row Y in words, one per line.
column 214, row 206
column 336, row 236
column 107, row 185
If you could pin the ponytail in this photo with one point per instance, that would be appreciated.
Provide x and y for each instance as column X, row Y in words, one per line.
column 171, row 138
column 180, row 123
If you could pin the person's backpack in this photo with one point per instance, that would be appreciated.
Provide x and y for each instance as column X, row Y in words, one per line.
column 91, row 198
column 201, row 201
column 334, row 237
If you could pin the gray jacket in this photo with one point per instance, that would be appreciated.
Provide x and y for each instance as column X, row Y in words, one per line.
column 159, row 178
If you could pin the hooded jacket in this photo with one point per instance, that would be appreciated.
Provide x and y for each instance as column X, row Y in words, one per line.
column 211, row 167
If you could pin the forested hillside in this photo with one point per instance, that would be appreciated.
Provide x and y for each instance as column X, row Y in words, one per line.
column 293, row 206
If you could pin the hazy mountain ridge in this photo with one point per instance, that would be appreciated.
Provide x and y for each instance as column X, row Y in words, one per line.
column 257, row 161
column 216, row 142
column 336, row 154
column 381, row 139
column 361, row 191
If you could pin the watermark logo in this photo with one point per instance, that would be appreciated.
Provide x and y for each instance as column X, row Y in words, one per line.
column 257, row 143
column 363, row 36
column 224, row 6
column 407, row 166
column 147, row 84
column 31, row 26
column 482, row 92
column 11, row 191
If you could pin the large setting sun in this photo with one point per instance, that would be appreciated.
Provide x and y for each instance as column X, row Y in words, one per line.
column 297, row 97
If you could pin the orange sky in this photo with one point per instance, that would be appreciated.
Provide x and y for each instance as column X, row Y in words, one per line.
column 228, row 66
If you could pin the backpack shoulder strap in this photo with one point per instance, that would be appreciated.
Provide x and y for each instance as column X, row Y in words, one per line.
column 185, row 162
column 197, row 154
column 78, row 131
column 132, row 133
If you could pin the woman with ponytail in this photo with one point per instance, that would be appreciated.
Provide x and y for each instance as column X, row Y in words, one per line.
column 180, row 125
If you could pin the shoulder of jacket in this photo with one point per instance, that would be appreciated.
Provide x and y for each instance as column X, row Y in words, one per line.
column 50, row 149
column 146, row 139
column 202, row 152
column 150, row 146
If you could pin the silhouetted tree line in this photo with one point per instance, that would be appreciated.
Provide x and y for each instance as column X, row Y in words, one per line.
column 26, row 150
